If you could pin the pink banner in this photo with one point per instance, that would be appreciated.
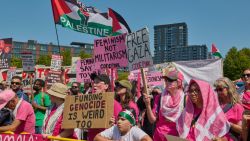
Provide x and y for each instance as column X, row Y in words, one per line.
column 21, row 137
column 110, row 52
column 84, row 68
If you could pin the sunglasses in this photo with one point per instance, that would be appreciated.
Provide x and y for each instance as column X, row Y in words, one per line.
column 219, row 89
column 16, row 83
column 74, row 87
column 196, row 91
column 169, row 80
column 245, row 75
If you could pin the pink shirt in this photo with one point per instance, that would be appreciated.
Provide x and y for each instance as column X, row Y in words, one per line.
column 191, row 136
column 246, row 100
column 163, row 126
column 25, row 114
column 132, row 105
column 234, row 115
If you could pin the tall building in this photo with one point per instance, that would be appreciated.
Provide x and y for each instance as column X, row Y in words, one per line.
column 168, row 37
column 42, row 49
column 171, row 44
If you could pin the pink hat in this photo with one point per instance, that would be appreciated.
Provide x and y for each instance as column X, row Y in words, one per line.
column 173, row 74
column 5, row 97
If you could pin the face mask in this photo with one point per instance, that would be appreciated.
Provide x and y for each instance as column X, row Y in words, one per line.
column 36, row 88
column 74, row 91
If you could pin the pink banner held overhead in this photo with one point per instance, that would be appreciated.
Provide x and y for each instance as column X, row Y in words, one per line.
column 110, row 52
column 84, row 68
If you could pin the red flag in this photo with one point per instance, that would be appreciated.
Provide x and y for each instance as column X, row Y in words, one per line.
column 214, row 49
column 59, row 8
column 117, row 20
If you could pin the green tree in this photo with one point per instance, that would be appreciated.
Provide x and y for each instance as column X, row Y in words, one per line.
column 44, row 60
column 235, row 62
column 16, row 62
column 66, row 57
column 84, row 55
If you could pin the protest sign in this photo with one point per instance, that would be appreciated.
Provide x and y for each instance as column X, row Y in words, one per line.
column 84, row 68
column 56, row 62
column 110, row 52
column 73, row 65
column 88, row 110
column 5, row 52
column 28, row 62
column 53, row 77
column 21, row 137
column 11, row 73
column 139, row 55
column 174, row 138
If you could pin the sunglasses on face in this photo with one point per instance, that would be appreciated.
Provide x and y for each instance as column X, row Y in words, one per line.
column 169, row 80
column 74, row 87
column 195, row 91
column 16, row 83
column 245, row 75
column 219, row 89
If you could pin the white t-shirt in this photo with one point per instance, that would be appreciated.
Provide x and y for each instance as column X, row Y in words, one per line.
column 135, row 134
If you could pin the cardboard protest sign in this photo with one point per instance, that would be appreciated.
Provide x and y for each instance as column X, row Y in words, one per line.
column 110, row 52
column 88, row 111
column 84, row 68
column 28, row 62
column 139, row 55
column 53, row 77
column 5, row 52
column 56, row 62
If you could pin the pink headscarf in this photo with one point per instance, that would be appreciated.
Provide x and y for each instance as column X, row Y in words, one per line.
column 211, row 122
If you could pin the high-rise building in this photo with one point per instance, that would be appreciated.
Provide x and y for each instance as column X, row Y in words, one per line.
column 171, row 44
column 42, row 49
column 167, row 37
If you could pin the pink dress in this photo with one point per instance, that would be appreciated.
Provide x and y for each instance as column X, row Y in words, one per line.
column 163, row 126
column 234, row 115
column 25, row 114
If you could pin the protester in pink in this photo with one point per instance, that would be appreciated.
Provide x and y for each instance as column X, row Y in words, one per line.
column 23, row 112
column 54, row 114
column 167, row 106
column 246, row 92
column 202, row 118
column 230, row 104
column 125, row 97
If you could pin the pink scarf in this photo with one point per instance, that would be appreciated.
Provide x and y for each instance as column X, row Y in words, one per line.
column 211, row 122
column 172, row 106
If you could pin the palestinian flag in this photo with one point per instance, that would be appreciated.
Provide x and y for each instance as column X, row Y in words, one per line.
column 74, row 15
column 216, row 52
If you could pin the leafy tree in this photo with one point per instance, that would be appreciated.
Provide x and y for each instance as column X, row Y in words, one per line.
column 235, row 62
column 84, row 55
column 44, row 60
column 16, row 62
column 66, row 57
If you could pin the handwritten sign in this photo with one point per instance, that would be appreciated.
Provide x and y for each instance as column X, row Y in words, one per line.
column 56, row 62
column 88, row 111
column 139, row 55
column 53, row 77
column 110, row 52
column 28, row 62
column 83, row 70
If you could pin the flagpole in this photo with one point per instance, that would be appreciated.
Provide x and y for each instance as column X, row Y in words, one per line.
column 58, row 43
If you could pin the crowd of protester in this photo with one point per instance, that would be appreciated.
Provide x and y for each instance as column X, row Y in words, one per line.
column 201, row 111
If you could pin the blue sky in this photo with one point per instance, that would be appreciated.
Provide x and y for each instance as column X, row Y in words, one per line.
column 223, row 22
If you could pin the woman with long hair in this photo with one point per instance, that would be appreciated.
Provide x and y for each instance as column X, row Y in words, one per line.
column 230, row 103
column 124, row 96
